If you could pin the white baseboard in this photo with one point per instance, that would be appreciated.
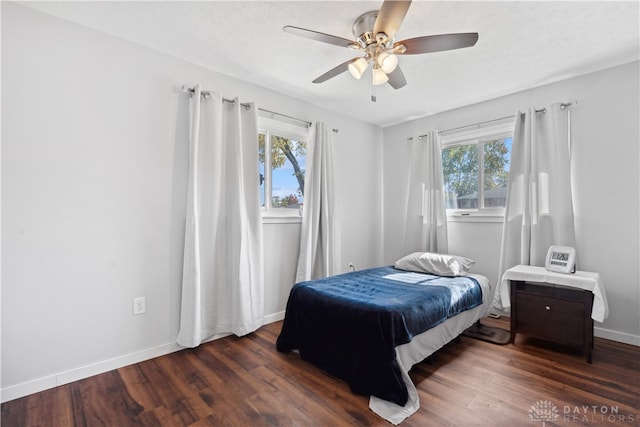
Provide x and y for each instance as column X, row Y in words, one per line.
column 617, row 336
column 273, row 317
column 65, row 377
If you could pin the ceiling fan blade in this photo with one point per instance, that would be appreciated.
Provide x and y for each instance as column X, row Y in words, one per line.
column 333, row 72
column 396, row 78
column 429, row 44
column 390, row 17
column 317, row 36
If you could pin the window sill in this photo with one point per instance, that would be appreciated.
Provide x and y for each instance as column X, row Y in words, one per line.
column 475, row 217
column 283, row 219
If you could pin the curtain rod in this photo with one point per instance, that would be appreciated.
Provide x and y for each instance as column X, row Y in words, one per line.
column 542, row 110
column 207, row 94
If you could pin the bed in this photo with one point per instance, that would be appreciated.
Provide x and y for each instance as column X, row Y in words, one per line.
column 370, row 327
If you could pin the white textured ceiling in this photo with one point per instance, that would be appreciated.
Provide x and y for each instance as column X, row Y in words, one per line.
column 521, row 45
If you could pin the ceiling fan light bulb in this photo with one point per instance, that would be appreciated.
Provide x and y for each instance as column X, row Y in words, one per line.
column 357, row 67
column 388, row 62
column 379, row 76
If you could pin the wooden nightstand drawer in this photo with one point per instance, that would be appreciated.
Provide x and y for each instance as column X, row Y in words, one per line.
column 553, row 313
column 549, row 318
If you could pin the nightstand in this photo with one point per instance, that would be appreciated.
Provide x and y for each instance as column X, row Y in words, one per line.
column 554, row 306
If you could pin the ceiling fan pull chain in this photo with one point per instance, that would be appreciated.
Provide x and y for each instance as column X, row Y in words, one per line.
column 373, row 92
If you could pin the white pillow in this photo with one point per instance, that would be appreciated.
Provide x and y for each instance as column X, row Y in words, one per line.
column 438, row 264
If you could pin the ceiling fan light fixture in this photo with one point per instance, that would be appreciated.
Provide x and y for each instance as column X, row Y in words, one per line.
column 374, row 34
column 379, row 76
column 387, row 61
column 357, row 67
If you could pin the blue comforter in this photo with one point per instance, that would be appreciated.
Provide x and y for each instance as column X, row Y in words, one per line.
column 350, row 324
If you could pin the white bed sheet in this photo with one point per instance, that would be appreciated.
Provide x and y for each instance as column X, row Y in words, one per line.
column 424, row 345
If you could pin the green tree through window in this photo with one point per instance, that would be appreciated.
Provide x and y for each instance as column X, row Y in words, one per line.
column 466, row 166
column 497, row 154
column 460, row 170
column 285, row 154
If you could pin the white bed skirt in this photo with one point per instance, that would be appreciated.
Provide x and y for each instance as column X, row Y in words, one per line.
column 424, row 345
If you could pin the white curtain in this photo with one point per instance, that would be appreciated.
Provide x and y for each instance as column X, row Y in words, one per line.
column 222, row 283
column 539, row 211
column 426, row 223
column 320, row 235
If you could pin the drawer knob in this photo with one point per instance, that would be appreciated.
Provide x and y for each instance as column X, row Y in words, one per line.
column 547, row 307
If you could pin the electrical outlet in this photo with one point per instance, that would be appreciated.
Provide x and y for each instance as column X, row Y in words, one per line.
column 139, row 305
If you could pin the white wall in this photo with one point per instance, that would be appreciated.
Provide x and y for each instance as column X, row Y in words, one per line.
column 605, row 150
column 94, row 157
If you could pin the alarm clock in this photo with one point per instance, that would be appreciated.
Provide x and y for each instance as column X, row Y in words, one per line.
column 561, row 259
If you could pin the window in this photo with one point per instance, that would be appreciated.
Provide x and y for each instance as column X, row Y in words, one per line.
column 475, row 165
column 282, row 154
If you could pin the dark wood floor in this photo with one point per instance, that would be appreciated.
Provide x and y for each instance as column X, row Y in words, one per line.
column 246, row 382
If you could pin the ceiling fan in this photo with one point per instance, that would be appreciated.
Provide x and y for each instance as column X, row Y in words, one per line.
column 374, row 33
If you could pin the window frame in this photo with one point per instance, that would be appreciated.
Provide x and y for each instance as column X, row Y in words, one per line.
column 291, row 130
column 478, row 135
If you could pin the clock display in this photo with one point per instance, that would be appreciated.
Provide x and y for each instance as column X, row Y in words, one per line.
column 560, row 256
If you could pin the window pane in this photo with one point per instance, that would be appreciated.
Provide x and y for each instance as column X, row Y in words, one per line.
column 497, row 154
column 261, row 160
column 288, row 163
column 460, row 170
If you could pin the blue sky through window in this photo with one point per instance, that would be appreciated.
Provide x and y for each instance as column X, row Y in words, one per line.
column 284, row 182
